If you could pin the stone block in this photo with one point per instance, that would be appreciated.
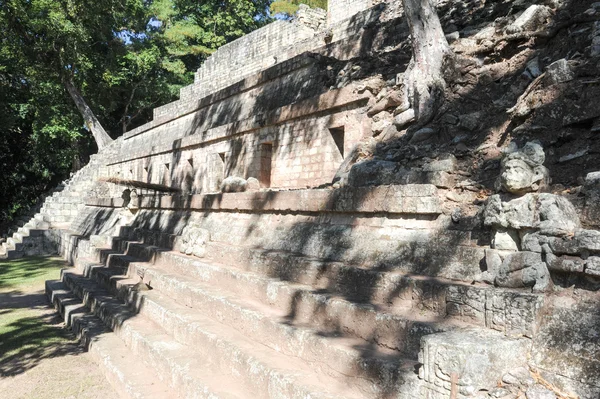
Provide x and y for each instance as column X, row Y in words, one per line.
column 478, row 359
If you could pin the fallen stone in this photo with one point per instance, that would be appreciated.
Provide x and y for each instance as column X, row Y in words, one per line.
column 558, row 216
column 446, row 163
column 373, row 173
column 592, row 266
column 560, row 72
column 233, row 184
column 381, row 121
column 575, row 155
column 252, row 184
column 404, row 118
column 470, row 121
column 592, row 180
column 499, row 393
column 531, row 19
column 441, row 179
column 421, row 135
column 565, row 263
column 506, row 239
column 539, row 392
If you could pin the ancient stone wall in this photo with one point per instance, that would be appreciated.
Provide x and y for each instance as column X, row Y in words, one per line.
column 338, row 10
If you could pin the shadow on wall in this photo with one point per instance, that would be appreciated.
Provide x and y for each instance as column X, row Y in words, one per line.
column 481, row 92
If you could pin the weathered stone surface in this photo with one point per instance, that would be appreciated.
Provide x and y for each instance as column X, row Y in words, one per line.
column 233, row 184
column 565, row 263
column 441, row 179
column 558, row 216
column 517, row 214
column 445, row 163
column 479, row 359
column 592, row 266
column 567, row 345
column 531, row 19
column 560, row 71
column 524, row 269
column 539, row 392
column 252, row 184
column 506, row 239
column 422, row 134
column 523, row 170
column 193, row 240
column 404, row 118
column 372, row 173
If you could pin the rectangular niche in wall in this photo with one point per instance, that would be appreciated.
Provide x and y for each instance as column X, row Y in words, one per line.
column 266, row 159
column 217, row 174
column 337, row 133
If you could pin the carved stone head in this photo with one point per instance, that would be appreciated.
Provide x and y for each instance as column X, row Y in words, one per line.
column 523, row 170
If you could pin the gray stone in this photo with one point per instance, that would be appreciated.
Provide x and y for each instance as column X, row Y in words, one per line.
column 565, row 263
column 531, row 19
column 441, row 179
column 517, row 214
column 480, row 358
column 592, row 266
column 499, row 392
column 252, row 184
column 506, row 239
column 193, row 240
column 373, row 173
column 446, row 163
column 422, row 134
column 539, row 392
column 404, row 118
column 233, row 184
column 381, row 121
column 557, row 215
column 470, row 121
column 592, row 180
column 560, row 71
column 524, row 269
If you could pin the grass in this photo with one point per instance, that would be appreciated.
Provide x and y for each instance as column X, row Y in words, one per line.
column 24, row 273
column 29, row 332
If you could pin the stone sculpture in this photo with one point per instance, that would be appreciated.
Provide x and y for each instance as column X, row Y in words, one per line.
column 193, row 240
column 529, row 228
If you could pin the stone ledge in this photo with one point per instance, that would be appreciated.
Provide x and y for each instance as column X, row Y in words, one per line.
column 248, row 83
column 406, row 199
column 327, row 101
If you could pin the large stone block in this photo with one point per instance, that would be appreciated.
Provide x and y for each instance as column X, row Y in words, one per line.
column 477, row 359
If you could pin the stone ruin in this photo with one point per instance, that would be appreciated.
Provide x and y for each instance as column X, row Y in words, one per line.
column 247, row 242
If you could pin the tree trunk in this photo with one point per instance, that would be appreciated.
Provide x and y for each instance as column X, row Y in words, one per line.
column 424, row 81
column 102, row 138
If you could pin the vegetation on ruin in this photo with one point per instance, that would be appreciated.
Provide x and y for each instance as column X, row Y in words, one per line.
column 288, row 8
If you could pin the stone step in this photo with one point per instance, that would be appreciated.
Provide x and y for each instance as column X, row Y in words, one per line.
column 514, row 312
column 127, row 374
column 398, row 324
column 342, row 353
column 257, row 371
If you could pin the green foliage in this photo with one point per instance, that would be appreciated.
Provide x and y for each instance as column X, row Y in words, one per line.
column 124, row 56
column 288, row 8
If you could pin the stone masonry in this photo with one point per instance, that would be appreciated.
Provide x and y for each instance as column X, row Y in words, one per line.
column 246, row 243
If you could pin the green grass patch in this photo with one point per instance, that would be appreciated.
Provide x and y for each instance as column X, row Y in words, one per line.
column 29, row 330
column 19, row 274
column 26, row 335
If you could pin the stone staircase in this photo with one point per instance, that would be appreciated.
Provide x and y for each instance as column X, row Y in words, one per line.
column 265, row 324
column 57, row 212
